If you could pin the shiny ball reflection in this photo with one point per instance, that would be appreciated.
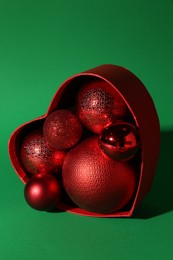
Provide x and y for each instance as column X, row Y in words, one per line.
column 42, row 192
column 120, row 141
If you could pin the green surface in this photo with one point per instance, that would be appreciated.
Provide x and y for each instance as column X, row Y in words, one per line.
column 42, row 43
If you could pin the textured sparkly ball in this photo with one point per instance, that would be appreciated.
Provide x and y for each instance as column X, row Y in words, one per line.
column 120, row 141
column 62, row 129
column 95, row 182
column 98, row 107
column 38, row 157
column 42, row 192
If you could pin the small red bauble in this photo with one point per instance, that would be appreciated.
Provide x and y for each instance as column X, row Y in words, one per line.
column 42, row 192
column 62, row 129
column 95, row 182
column 97, row 107
column 38, row 157
column 119, row 141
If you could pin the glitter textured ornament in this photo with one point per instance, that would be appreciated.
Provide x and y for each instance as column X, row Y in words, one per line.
column 62, row 129
column 98, row 107
column 95, row 182
column 42, row 192
column 120, row 141
column 38, row 157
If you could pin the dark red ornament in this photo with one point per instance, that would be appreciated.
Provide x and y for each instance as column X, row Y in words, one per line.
column 62, row 129
column 38, row 157
column 98, row 107
column 42, row 192
column 95, row 182
column 120, row 141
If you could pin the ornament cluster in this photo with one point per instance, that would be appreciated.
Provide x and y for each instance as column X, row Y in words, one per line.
column 86, row 153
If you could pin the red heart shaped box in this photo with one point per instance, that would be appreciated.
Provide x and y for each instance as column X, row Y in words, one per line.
column 142, row 109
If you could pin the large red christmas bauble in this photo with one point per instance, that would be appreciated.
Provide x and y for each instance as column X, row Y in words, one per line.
column 42, row 192
column 38, row 157
column 62, row 129
column 95, row 182
column 120, row 141
column 98, row 107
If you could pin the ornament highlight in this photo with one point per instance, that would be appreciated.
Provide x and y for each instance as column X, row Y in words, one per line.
column 62, row 129
column 120, row 141
column 38, row 157
column 42, row 192
column 95, row 182
column 98, row 107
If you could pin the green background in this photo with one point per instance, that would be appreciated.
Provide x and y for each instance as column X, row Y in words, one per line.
column 42, row 43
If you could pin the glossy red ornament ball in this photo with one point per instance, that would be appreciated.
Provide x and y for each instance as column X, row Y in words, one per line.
column 62, row 129
column 120, row 141
column 42, row 192
column 95, row 182
column 38, row 157
column 98, row 107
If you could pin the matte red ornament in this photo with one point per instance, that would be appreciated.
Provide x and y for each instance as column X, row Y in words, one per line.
column 62, row 129
column 95, row 182
column 42, row 192
column 120, row 141
column 97, row 106
column 38, row 157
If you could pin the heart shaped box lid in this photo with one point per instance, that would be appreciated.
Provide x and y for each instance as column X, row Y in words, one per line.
column 142, row 108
